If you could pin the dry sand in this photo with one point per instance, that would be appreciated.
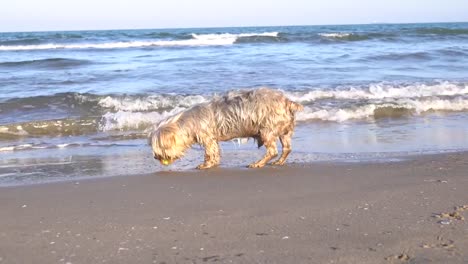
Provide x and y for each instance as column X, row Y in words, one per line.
column 300, row 213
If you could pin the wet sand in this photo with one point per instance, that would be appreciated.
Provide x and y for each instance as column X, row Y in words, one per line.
column 389, row 212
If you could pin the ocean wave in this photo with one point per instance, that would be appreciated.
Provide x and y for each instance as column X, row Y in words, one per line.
column 229, row 39
column 151, row 102
column 401, row 56
column 341, row 36
column 162, row 35
column 394, row 109
column 195, row 40
column 91, row 113
column 381, row 91
column 441, row 31
column 93, row 104
column 46, row 63
column 57, row 127
column 157, row 101
column 118, row 39
column 126, row 120
column 453, row 52
column 155, row 40
column 30, row 146
column 107, row 45
column 50, row 145
column 20, row 41
column 335, row 35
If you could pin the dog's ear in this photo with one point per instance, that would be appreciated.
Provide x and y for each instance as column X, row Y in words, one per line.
column 168, row 137
column 294, row 107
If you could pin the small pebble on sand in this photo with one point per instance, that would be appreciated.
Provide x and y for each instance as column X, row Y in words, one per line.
column 444, row 222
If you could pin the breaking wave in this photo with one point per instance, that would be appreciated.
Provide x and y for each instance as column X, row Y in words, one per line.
column 151, row 102
column 119, row 39
column 378, row 110
column 381, row 91
column 125, row 120
column 195, row 40
column 72, row 114
column 348, row 36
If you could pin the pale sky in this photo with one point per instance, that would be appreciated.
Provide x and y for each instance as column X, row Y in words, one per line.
column 42, row 15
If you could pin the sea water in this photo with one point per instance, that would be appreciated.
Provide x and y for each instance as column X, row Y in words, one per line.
column 81, row 103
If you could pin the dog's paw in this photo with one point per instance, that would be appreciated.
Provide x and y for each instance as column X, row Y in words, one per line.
column 202, row 167
column 205, row 166
column 278, row 163
column 256, row 165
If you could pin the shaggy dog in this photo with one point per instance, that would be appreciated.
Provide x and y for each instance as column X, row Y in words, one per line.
column 263, row 114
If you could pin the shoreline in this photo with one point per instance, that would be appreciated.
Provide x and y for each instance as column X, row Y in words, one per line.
column 303, row 213
column 48, row 166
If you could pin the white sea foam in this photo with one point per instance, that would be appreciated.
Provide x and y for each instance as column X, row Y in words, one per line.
column 385, row 92
column 414, row 106
column 228, row 38
column 125, row 120
column 7, row 149
column 437, row 104
column 414, row 99
column 111, row 45
column 337, row 115
column 335, row 35
column 21, row 147
column 152, row 102
column 196, row 40
column 382, row 91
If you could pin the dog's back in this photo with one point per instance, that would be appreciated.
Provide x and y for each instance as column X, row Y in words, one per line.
column 246, row 113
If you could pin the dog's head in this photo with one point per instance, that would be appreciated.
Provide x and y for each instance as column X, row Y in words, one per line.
column 168, row 143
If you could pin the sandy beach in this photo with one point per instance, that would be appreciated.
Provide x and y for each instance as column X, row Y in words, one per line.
column 382, row 212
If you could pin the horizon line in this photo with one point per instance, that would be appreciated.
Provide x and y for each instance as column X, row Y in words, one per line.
column 214, row 27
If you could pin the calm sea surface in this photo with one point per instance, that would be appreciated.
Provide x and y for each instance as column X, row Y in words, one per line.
column 80, row 103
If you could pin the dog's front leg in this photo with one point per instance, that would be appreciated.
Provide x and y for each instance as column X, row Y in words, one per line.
column 212, row 157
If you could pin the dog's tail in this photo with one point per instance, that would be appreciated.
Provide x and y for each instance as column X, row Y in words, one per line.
column 295, row 107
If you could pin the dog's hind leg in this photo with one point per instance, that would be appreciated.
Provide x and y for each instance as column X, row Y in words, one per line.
column 270, row 144
column 212, row 156
column 286, row 145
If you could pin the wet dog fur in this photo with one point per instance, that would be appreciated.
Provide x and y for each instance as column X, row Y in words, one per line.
column 263, row 114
